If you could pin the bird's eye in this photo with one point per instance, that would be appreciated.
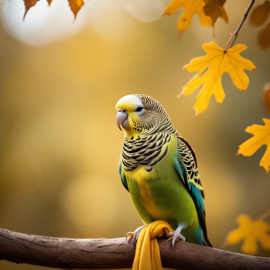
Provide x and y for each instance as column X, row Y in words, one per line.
column 139, row 109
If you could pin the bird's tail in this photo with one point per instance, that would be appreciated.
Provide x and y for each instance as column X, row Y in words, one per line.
column 206, row 241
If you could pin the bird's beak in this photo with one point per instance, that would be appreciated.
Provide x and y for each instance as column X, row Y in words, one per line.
column 120, row 118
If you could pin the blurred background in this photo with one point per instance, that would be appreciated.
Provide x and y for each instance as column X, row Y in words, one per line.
column 59, row 143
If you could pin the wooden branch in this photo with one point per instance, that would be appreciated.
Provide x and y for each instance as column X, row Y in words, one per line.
column 101, row 253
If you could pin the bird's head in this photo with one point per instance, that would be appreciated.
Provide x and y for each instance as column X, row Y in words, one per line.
column 138, row 114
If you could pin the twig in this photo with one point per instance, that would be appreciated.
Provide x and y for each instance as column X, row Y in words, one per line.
column 265, row 215
column 235, row 34
column 67, row 253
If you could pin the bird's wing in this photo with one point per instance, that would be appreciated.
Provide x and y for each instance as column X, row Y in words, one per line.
column 122, row 176
column 188, row 170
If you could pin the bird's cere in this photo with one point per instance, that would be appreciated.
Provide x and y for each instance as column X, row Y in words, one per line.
column 130, row 103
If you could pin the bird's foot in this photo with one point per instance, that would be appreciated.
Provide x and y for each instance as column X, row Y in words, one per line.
column 175, row 236
column 133, row 236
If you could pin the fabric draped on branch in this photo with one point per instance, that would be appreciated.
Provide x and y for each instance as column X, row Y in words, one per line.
column 147, row 254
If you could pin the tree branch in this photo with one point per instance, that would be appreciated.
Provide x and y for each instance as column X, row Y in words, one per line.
column 101, row 253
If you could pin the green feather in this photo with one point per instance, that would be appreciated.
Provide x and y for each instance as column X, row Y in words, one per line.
column 165, row 193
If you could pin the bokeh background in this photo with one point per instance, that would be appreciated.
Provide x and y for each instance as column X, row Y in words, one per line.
column 59, row 144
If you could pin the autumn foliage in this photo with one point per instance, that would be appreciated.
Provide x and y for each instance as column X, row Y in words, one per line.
column 208, row 11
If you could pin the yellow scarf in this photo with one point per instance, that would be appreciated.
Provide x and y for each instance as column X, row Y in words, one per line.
column 147, row 255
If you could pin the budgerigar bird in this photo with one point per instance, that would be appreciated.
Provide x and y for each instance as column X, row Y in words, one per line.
column 159, row 169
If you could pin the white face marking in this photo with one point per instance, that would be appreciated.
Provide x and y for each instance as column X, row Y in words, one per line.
column 132, row 100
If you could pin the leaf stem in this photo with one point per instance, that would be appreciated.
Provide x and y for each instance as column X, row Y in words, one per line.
column 265, row 215
column 235, row 34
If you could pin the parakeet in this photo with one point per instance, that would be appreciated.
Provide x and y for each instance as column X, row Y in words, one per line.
column 159, row 169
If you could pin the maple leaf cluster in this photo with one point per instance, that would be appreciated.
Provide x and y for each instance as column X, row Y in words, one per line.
column 208, row 11
column 212, row 66
column 210, row 69
column 75, row 5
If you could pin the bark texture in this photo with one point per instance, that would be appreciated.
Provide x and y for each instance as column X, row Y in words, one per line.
column 101, row 253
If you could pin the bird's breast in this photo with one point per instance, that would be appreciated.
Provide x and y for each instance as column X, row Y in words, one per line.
column 156, row 191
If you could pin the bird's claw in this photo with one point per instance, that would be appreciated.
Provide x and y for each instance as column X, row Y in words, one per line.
column 133, row 236
column 175, row 236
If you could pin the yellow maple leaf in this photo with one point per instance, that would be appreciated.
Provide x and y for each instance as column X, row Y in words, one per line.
column 191, row 7
column 250, row 231
column 210, row 69
column 261, row 137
